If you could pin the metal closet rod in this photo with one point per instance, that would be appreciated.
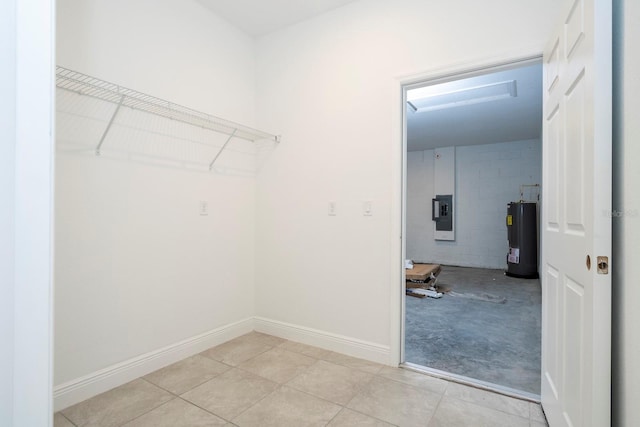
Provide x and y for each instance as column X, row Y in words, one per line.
column 86, row 85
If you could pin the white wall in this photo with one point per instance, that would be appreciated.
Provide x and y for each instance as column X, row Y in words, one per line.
column 137, row 267
column 7, row 203
column 626, row 203
column 174, row 50
column 487, row 178
column 330, row 86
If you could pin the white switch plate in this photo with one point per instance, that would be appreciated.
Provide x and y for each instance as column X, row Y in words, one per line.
column 203, row 208
column 332, row 209
column 367, row 208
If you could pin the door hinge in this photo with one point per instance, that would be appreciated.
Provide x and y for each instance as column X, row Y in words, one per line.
column 603, row 265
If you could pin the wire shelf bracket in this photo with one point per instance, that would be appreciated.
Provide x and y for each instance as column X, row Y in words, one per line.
column 106, row 131
column 221, row 150
column 86, row 85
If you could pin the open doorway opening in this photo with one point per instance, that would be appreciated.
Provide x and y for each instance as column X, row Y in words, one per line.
column 474, row 146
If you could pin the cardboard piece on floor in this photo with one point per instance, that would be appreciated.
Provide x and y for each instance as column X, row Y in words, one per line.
column 421, row 280
column 422, row 272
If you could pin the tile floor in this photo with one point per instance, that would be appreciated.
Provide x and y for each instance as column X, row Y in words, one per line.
column 261, row 380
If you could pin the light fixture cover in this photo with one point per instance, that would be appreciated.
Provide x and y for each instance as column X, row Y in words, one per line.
column 425, row 99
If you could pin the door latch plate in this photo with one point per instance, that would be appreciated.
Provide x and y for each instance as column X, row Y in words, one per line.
column 603, row 265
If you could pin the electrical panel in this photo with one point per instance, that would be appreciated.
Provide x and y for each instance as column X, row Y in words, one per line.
column 442, row 212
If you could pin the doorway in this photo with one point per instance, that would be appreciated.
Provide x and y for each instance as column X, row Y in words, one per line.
column 474, row 137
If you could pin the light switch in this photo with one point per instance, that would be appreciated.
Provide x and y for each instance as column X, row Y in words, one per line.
column 367, row 208
column 203, row 208
column 333, row 209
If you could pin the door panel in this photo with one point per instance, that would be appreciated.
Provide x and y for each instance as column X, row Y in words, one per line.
column 551, row 308
column 575, row 27
column 576, row 338
column 575, row 150
column 552, row 189
column 573, row 345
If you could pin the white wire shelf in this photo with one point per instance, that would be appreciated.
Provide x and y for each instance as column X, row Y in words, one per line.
column 83, row 84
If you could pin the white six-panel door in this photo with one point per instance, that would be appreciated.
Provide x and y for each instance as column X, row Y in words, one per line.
column 576, row 217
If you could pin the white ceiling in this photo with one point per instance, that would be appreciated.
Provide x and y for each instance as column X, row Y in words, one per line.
column 511, row 119
column 259, row 17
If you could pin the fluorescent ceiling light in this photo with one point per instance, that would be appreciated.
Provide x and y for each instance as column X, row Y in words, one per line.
column 427, row 99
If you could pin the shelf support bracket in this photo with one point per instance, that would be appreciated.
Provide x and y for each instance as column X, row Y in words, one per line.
column 106, row 131
column 222, row 149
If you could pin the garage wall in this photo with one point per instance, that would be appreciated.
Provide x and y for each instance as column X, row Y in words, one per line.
column 487, row 178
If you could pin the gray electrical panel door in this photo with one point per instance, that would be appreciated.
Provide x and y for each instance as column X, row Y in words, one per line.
column 442, row 212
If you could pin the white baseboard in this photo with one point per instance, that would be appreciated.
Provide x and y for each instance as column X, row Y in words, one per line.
column 338, row 343
column 75, row 391
column 72, row 392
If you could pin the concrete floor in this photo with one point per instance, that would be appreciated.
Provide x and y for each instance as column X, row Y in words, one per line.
column 486, row 328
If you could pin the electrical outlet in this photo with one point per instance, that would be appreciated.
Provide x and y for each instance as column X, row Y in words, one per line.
column 332, row 209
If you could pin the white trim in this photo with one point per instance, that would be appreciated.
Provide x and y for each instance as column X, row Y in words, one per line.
column 472, row 382
column 85, row 387
column 398, row 221
column 338, row 343
column 82, row 388
column 7, row 205
column 33, row 213
column 397, row 255
column 472, row 67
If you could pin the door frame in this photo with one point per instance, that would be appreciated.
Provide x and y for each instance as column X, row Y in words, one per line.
column 399, row 179
column 28, row 399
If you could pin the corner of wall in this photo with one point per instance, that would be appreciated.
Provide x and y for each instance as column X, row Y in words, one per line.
column 82, row 388
column 326, row 340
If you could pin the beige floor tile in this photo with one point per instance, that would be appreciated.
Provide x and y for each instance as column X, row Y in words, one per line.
column 238, row 350
column 396, row 403
column 287, row 407
column 458, row 413
column 117, row 406
column 261, row 338
column 536, row 414
column 416, row 379
column 250, row 394
column 349, row 418
column 335, row 383
column 278, row 365
column 60, row 421
column 488, row 399
column 186, row 374
column 353, row 362
column 231, row 393
column 307, row 350
column 177, row 413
